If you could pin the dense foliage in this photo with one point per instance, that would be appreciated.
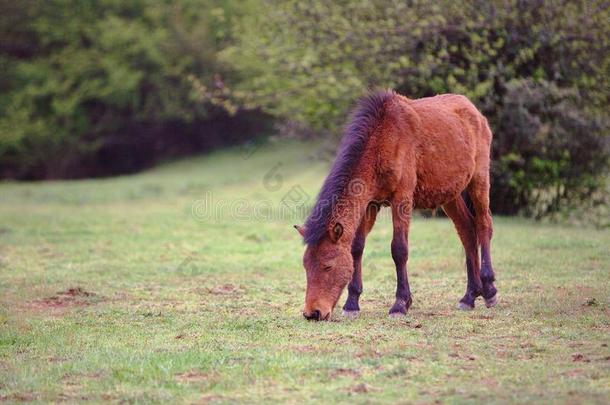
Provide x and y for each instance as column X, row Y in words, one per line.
column 538, row 69
column 82, row 76
column 91, row 85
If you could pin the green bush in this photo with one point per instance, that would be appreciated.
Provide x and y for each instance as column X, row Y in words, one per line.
column 537, row 69
column 547, row 152
column 81, row 75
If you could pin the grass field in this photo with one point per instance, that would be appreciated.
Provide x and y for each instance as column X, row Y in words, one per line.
column 134, row 289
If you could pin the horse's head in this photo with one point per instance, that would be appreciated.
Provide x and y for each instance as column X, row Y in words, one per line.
column 329, row 266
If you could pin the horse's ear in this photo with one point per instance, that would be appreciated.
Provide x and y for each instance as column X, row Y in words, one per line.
column 301, row 229
column 336, row 232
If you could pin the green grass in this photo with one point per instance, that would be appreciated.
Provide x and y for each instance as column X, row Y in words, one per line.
column 173, row 306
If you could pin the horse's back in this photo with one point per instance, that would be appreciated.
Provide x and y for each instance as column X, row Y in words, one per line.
column 449, row 109
column 449, row 135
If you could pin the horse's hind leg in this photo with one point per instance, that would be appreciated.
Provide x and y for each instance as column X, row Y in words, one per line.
column 465, row 226
column 354, row 289
column 478, row 190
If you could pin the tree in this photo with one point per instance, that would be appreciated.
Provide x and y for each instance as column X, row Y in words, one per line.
column 81, row 74
column 309, row 60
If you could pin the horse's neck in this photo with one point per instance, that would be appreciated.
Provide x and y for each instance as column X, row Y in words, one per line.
column 361, row 190
column 350, row 209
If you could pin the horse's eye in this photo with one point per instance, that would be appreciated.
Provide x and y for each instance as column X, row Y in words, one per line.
column 328, row 268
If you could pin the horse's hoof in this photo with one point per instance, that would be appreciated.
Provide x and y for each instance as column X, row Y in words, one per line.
column 400, row 307
column 350, row 314
column 464, row 306
column 491, row 302
column 397, row 315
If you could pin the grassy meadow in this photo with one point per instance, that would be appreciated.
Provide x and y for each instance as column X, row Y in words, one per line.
column 184, row 284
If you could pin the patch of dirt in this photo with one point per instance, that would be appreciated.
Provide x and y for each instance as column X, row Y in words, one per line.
column 225, row 289
column 469, row 357
column 75, row 379
column 575, row 344
column 72, row 386
column 64, row 300
column 192, row 376
column 369, row 354
column 206, row 399
column 591, row 302
column 440, row 313
column 573, row 373
column 576, row 357
column 71, row 297
column 489, row 382
column 68, row 397
column 483, row 316
column 344, row 372
column 109, row 398
column 19, row 397
column 303, row 349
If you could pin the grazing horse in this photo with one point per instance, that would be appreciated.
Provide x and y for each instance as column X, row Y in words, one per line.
column 405, row 154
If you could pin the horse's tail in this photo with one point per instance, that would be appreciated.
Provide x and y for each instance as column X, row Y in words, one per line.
column 469, row 203
column 470, row 206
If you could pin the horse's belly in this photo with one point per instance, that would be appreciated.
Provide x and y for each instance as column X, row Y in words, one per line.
column 441, row 179
column 428, row 197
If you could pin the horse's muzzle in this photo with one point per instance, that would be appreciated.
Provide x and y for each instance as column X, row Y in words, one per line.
column 314, row 315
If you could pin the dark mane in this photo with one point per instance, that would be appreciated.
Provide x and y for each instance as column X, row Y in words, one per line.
column 368, row 112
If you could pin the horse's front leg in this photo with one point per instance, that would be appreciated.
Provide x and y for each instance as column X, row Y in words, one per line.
column 401, row 217
column 351, row 309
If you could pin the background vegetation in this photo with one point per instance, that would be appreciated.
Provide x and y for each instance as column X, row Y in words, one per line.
column 103, row 87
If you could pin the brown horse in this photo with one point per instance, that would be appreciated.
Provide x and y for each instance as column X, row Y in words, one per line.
column 405, row 154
